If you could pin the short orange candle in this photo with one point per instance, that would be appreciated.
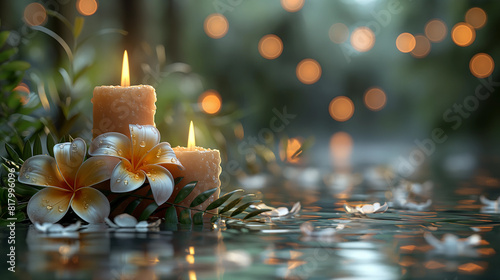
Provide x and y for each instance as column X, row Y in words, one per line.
column 115, row 107
column 201, row 165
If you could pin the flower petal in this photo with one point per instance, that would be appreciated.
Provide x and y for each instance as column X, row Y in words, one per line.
column 49, row 205
column 125, row 220
column 69, row 158
column 91, row 205
column 144, row 138
column 161, row 154
column 161, row 182
column 112, row 144
column 41, row 170
column 95, row 170
column 124, row 179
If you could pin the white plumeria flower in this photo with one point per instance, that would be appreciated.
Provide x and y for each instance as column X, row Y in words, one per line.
column 366, row 208
column 451, row 245
column 490, row 203
column 280, row 211
column 127, row 221
column 50, row 227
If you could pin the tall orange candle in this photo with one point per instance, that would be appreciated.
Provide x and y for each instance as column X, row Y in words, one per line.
column 115, row 107
column 201, row 165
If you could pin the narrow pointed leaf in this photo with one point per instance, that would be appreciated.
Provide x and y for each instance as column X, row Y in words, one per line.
column 148, row 211
column 202, row 197
column 131, row 207
column 185, row 191
column 77, row 29
column 15, row 65
column 222, row 199
column 198, row 218
column 177, row 180
column 12, row 153
column 37, row 146
column 117, row 201
column 233, row 203
column 58, row 38
column 255, row 213
column 27, row 153
column 214, row 219
column 185, row 217
column 50, row 144
column 171, row 215
column 243, row 207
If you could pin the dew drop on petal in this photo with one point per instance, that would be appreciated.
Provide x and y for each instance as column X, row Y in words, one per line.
column 148, row 174
column 86, row 205
column 142, row 144
column 120, row 152
column 118, row 180
column 173, row 160
column 152, row 178
column 49, row 207
column 27, row 176
column 136, row 176
column 60, row 209
column 125, row 182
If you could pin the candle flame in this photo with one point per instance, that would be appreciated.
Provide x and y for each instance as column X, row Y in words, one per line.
column 125, row 71
column 191, row 141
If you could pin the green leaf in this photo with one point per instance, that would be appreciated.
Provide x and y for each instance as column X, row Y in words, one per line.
column 171, row 215
column 15, row 65
column 25, row 190
column 233, row 203
column 4, row 35
column 37, row 146
column 185, row 191
column 12, row 153
column 100, row 33
column 214, row 218
column 77, row 29
column 222, row 199
column 27, row 153
column 148, row 211
column 185, row 217
column 202, row 197
column 131, row 207
column 198, row 218
column 117, row 201
column 243, row 208
column 58, row 38
column 51, row 142
column 5, row 55
column 177, row 180
column 255, row 213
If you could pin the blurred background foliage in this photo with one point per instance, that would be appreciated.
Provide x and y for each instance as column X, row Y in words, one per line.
column 191, row 50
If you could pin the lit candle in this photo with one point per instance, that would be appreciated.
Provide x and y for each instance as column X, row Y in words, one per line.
column 115, row 107
column 201, row 165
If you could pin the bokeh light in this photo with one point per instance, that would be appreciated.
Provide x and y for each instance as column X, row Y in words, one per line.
column 362, row 39
column 435, row 30
column 405, row 42
column 341, row 108
column 308, row 71
column 210, row 102
column 292, row 5
column 476, row 17
column 86, row 7
column 23, row 93
column 293, row 145
column 216, row 26
column 338, row 33
column 35, row 14
column 422, row 47
column 341, row 148
column 481, row 65
column 270, row 46
column 463, row 34
column 375, row 99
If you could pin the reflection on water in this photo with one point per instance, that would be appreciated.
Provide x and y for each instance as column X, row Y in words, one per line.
column 388, row 245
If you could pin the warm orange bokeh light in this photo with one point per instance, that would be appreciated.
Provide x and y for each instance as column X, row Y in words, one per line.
column 463, row 34
column 292, row 5
column 405, row 42
column 125, row 71
column 191, row 137
column 471, row 268
column 270, row 46
column 308, row 71
column 481, row 65
column 24, row 91
column 362, row 39
column 435, row 30
column 375, row 99
column 210, row 102
column 216, row 26
column 293, row 145
column 341, row 148
column 86, row 7
column 35, row 14
column 338, row 33
column 341, row 108
column 422, row 47
column 476, row 17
